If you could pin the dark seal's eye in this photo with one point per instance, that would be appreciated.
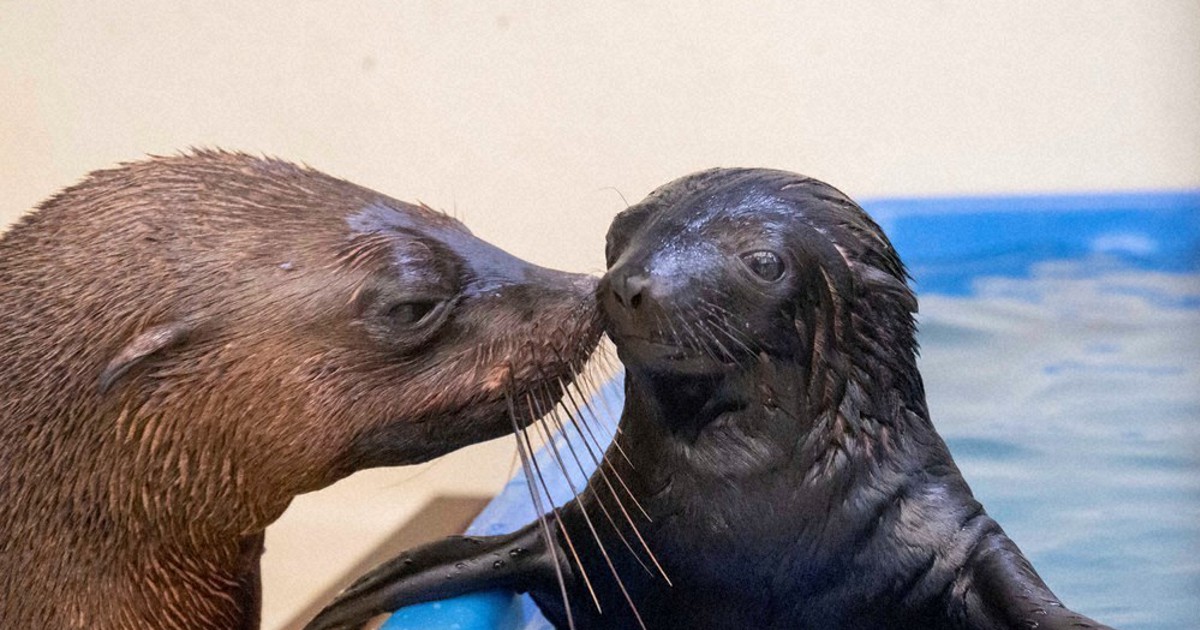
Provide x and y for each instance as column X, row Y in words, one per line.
column 764, row 264
column 412, row 313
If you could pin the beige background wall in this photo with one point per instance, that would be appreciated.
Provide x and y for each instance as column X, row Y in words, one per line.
column 528, row 118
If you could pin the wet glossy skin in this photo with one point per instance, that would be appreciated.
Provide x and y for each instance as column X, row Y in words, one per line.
column 775, row 432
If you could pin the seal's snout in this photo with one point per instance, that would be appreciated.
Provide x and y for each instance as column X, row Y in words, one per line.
column 627, row 288
column 578, row 285
column 630, row 298
column 635, row 304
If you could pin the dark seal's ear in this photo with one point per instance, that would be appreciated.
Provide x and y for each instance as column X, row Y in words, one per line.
column 148, row 343
column 876, row 279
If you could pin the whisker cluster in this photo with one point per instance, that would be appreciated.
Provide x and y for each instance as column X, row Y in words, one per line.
column 706, row 328
column 573, row 425
column 572, row 431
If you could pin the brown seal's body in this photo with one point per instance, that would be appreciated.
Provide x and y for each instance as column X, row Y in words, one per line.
column 187, row 343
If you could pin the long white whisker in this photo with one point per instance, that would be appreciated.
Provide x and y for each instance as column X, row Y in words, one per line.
column 562, row 527
column 526, row 458
column 604, row 477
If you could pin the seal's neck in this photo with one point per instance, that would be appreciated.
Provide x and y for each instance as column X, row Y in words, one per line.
column 86, row 577
column 218, row 587
column 125, row 544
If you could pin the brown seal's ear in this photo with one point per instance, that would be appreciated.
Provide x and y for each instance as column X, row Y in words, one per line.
column 149, row 342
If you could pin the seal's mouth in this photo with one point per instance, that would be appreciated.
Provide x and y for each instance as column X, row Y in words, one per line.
column 558, row 368
column 642, row 352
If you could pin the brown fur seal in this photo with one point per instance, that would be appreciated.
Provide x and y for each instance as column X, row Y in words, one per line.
column 775, row 433
column 189, row 342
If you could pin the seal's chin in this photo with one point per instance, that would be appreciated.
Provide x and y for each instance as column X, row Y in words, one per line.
column 660, row 357
column 487, row 415
column 498, row 414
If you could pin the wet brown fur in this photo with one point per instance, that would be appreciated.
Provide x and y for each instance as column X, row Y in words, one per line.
column 233, row 292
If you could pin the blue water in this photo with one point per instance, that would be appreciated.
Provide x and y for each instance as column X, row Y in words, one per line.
column 1061, row 355
column 1070, row 401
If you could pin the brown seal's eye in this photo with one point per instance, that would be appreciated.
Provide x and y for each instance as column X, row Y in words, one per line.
column 764, row 264
column 410, row 313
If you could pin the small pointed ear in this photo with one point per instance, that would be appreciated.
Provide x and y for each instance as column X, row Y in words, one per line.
column 146, row 344
column 879, row 280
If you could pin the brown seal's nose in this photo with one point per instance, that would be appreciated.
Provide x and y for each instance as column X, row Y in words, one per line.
column 627, row 288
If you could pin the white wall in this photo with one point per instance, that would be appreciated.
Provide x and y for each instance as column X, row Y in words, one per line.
column 523, row 117
column 523, row 114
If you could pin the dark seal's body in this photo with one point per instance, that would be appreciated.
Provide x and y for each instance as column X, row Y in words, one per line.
column 775, row 432
column 190, row 342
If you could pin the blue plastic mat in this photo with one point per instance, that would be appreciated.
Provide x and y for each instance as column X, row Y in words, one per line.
column 991, row 251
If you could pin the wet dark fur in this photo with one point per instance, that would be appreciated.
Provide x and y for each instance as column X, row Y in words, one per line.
column 189, row 342
column 777, row 437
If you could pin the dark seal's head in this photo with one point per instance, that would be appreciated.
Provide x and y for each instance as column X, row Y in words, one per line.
column 189, row 342
column 776, row 428
column 733, row 271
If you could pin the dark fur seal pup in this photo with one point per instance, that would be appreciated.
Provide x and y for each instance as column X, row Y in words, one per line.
column 775, row 433
column 190, row 342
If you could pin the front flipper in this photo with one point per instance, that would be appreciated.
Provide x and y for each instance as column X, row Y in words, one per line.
column 453, row 566
column 1004, row 591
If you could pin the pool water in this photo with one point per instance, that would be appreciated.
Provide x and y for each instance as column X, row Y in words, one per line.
column 1061, row 355
column 1071, row 401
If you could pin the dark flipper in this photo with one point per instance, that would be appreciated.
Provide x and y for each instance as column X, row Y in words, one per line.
column 1005, row 592
column 457, row 565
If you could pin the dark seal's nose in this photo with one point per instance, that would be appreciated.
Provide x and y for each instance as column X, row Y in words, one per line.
column 628, row 288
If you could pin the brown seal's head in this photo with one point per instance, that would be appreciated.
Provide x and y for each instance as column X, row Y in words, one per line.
column 189, row 342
